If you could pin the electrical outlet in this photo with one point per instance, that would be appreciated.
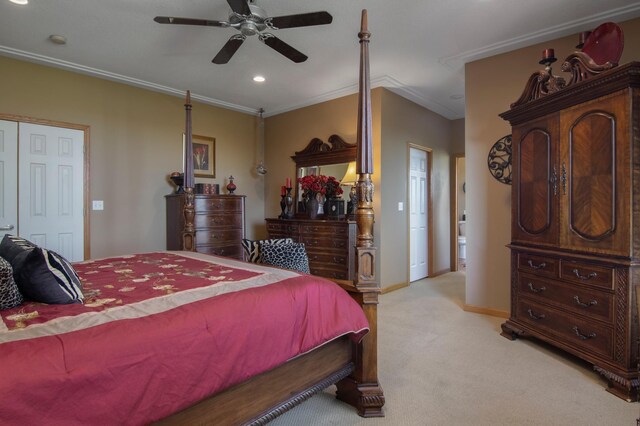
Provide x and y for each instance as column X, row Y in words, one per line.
column 98, row 205
column 400, row 206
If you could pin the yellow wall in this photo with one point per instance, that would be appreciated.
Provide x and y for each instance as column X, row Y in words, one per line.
column 136, row 141
column 492, row 84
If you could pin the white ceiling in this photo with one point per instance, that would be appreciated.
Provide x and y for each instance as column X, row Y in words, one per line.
column 418, row 47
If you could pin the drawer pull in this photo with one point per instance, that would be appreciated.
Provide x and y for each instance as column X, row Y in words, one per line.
column 536, row 290
column 534, row 316
column 582, row 336
column 338, row 260
column 584, row 277
column 585, row 305
column 540, row 266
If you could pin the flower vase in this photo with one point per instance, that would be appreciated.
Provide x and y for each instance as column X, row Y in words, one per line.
column 312, row 207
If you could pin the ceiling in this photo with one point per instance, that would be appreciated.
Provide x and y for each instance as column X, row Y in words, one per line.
column 418, row 47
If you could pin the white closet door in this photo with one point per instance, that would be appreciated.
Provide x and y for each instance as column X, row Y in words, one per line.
column 51, row 182
column 418, row 238
column 8, row 177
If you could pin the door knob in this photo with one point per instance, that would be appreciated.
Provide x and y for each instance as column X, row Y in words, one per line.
column 6, row 228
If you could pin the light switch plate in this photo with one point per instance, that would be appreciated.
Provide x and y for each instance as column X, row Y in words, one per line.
column 400, row 206
column 98, row 205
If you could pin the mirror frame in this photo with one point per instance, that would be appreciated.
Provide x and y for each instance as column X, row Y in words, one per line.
column 320, row 153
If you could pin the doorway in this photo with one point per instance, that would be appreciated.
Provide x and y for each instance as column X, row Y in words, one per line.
column 459, row 215
column 44, row 181
column 420, row 212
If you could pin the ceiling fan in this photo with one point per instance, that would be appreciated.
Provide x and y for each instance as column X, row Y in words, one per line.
column 250, row 19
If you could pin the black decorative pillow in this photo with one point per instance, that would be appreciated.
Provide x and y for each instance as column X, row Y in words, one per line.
column 11, row 246
column 47, row 277
column 288, row 255
column 10, row 297
column 252, row 247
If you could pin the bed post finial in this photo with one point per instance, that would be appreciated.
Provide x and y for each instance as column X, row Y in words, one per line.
column 189, row 231
column 362, row 388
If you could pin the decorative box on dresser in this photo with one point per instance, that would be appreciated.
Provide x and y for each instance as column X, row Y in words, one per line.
column 330, row 244
column 575, row 232
column 219, row 223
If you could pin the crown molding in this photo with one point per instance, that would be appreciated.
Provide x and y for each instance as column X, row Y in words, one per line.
column 95, row 72
column 385, row 81
column 624, row 13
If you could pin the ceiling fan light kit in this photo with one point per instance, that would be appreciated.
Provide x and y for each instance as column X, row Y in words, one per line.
column 250, row 19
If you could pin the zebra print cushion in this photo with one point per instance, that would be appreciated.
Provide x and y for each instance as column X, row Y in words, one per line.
column 253, row 251
column 10, row 297
column 289, row 256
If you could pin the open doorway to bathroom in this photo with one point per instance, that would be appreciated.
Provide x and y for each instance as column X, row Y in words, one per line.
column 459, row 215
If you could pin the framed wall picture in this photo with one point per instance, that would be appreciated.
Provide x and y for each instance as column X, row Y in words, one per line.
column 204, row 155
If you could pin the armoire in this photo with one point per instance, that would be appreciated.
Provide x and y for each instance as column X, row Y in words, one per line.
column 575, row 231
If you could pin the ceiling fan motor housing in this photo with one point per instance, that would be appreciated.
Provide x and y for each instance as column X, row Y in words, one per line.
column 249, row 25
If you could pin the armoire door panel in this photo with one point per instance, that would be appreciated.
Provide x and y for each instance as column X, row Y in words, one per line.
column 536, row 182
column 592, row 193
column 595, row 210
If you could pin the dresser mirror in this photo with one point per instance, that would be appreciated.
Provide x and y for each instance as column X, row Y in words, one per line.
column 331, row 158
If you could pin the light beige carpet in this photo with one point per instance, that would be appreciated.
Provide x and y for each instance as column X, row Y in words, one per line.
column 440, row 365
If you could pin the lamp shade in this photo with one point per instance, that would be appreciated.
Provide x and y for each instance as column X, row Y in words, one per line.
column 350, row 176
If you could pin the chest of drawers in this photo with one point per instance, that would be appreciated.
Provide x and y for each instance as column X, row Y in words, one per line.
column 330, row 244
column 219, row 224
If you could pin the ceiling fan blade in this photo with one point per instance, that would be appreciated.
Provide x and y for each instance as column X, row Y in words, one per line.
column 283, row 48
column 228, row 50
column 240, row 6
column 189, row 21
column 300, row 20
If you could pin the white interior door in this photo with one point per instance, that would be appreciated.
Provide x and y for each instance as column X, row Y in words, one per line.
column 51, row 183
column 417, row 214
column 8, row 177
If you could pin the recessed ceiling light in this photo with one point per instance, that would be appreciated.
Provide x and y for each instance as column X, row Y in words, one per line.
column 258, row 79
column 58, row 39
column 20, row 2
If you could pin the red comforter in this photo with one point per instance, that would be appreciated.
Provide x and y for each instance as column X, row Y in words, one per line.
column 157, row 333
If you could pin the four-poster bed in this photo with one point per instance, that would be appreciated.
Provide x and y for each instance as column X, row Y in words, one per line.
column 187, row 338
column 352, row 367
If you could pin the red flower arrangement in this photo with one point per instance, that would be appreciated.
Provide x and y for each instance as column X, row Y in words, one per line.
column 325, row 185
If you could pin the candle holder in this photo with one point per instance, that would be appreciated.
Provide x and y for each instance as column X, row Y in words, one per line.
column 582, row 38
column 283, row 207
column 548, row 57
column 288, row 199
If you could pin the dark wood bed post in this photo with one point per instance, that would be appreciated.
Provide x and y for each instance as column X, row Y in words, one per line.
column 362, row 388
column 189, row 232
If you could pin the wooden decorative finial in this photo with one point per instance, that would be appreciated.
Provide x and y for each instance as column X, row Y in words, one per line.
column 364, row 31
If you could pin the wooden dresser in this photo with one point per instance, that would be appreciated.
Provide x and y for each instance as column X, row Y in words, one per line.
column 575, row 233
column 219, row 223
column 330, row 244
